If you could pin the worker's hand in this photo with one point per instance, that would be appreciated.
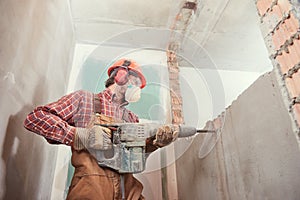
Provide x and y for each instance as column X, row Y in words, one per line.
column 165, row 135
column 96, row 137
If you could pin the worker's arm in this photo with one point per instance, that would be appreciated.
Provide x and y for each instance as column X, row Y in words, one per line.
column 57, row 121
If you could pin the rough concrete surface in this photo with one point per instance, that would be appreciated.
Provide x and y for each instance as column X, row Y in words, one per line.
column 257, row 156
column 36, row 52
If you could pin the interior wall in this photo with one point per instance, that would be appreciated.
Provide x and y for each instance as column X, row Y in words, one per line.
column 36, row 52
column 207, row 92
column 256, row 156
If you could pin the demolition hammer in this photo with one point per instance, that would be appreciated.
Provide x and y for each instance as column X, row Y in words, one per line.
column 128, row 153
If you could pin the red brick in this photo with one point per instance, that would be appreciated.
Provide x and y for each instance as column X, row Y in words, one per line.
column 297, row 45
column 296, row 109
column 296, row 80
column 290, row 86
column 291, row 24
column 278, row 38
column 262, row 6
column 293, row 85
column 294, row 20
column 294, row 56
column 284, row 5
column 282, row 63
column 297, row 48
column 177, row 117
column 276, row 12
column 286, row 34
column 176, row 107
column 287, row 60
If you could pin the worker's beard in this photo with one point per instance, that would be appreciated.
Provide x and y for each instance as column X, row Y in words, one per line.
column 133, row 94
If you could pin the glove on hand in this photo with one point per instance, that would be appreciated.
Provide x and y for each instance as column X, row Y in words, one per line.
column 165, row 135
column 97, row 137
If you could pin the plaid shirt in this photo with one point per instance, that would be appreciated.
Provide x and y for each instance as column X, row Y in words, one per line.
column 57, row 121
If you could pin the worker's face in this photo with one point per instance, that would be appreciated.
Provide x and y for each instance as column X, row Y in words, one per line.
column 131, row 90
column 134, row 81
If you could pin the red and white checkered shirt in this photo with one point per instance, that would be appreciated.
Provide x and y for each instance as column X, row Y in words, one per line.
column 57, row 121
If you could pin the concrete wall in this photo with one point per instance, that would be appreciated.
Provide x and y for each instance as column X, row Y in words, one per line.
column 36, row 48
column 257, row 154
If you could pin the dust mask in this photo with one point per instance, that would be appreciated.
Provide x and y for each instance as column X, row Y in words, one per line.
column 133, row 93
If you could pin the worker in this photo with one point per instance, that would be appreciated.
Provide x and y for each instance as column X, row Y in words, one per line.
column 71, row 119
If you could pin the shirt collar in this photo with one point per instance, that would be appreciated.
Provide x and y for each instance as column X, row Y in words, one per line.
column 108, row 95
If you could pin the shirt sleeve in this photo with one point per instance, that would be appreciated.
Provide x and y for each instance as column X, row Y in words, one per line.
column 55, row 121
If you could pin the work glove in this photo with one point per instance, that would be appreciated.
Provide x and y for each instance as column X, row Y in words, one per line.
column 96, row 137
column 165, row 135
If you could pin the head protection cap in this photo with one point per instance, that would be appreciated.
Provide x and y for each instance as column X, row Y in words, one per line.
column 123, row 68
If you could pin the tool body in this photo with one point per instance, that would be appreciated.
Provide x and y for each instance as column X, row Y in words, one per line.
column 128, row 153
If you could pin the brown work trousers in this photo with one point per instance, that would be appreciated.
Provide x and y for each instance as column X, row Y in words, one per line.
column 93, row 182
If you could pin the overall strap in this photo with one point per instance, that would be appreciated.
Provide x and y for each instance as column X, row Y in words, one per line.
column 101, row 118
column 97, row 104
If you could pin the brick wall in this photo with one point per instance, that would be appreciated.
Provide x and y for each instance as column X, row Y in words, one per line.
column 175, row 94
column 280, row 28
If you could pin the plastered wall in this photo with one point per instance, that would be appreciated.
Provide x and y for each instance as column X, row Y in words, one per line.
column 257, row 154
column 36, row 48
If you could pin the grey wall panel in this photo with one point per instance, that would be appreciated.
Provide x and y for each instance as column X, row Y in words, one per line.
column 36, row 49
column 257, row 156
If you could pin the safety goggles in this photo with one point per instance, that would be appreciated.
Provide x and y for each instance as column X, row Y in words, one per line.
column 124, row 76
column 134, row 80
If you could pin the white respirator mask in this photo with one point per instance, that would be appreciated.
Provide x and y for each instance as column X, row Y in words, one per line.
column 133, row 93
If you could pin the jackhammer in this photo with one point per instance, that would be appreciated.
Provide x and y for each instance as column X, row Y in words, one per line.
column 128, row 153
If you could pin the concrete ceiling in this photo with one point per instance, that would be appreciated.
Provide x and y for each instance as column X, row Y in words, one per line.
column 225, row 33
